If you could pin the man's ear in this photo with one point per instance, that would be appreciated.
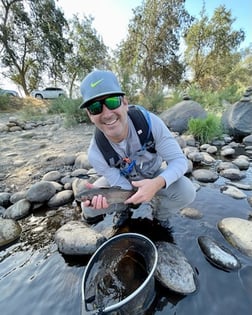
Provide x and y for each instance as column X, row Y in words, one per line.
column 124, row 100
column 89, row 115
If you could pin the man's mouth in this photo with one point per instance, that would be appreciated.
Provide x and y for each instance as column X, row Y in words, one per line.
column 112, row 122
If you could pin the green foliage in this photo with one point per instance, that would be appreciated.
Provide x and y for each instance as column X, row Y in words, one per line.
column 151, row 49
column 32, row 41
column 205, row 130
column 73, row 115
column 89, row 51
column 32, row 113
column 4, row 102
column 213, row 101
column 211, row 51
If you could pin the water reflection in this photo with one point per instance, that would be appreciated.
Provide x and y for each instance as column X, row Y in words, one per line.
column 36, row 279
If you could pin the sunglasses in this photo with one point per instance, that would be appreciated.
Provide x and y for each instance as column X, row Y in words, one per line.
column 111, row 103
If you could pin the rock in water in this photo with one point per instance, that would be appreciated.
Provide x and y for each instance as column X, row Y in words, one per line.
column 238, row 232
column 218, row 254
column 173, row 270
column 77, row 238
column 10, row 231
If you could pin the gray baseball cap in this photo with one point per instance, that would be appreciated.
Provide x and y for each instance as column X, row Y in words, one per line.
column 99, row 83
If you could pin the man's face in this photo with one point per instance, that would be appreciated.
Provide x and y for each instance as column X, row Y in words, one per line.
column 112, row 122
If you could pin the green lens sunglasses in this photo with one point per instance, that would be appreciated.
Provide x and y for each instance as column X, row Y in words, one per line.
column 96, row 107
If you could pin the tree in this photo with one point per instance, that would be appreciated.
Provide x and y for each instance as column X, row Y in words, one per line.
column 151, row 50
column 88, row 50
column 32, row 41
column 211, row 51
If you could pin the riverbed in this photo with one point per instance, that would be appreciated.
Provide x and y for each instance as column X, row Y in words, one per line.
column 35, row 278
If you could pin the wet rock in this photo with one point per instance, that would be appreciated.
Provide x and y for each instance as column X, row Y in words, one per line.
column 240, row 185
column 233, row 174
column 204, row 175
column 247, row 140
column 195, row 156
column 228, row 151
column 207, row 158
column 191, row 213
column 19, row 210
column 212, row 149
column 242, row 162
column 40, row 192
column 226, row 165
column 233, row 192
column 10, row 231
column 173, row 269
column 60, row 199
column 250, row 201
column 217, row 254
column 77, row 238
column 238, row 232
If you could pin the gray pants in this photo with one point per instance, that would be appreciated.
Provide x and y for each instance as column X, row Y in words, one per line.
column 167, row 201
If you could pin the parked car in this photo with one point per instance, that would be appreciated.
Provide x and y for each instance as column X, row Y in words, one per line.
column 49, row 92
column 9, row 92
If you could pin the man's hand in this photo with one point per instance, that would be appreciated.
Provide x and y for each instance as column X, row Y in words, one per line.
column 98, row 202
column 147, row 188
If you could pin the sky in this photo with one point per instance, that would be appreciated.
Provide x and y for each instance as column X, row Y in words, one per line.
column 111, row 17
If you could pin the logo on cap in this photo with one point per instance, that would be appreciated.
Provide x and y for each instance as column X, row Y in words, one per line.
column 94, row 84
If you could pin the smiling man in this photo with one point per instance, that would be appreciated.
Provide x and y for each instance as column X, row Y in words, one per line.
column 128, row 150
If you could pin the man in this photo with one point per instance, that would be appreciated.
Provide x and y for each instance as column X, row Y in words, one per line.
column 138, row 167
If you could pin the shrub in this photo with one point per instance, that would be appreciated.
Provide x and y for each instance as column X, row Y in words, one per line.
column 73, row 115
column 205, row 130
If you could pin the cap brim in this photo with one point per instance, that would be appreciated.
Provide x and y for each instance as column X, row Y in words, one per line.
column 86, row 103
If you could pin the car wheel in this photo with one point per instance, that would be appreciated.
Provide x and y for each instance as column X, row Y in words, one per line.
column 39, row 96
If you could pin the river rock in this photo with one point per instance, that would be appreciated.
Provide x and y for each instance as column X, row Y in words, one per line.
column 238, row 232
column 173, row 269
column 233, row 174
column 226, row 165
column 19, row 195
column 240, row 185
column 52, row 176
column 237, row 118
column 77, row 238
column 227, row 151
column 5, row 199
column 60, row 199
column 233, row 192
column 247, row 140
column 10, row 231
column 241, row 162
column 217, row 254
column 204, row 175
column 40, row 192
column 19, row 210
column 178, row 116
column 191, row 213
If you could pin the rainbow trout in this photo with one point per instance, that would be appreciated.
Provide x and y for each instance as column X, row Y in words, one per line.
column 114, row 194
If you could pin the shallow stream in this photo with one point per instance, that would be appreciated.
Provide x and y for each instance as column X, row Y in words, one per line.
column 37, row 279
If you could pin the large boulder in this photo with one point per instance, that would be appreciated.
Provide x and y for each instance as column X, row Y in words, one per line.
column 237, row 118
column 177, row 117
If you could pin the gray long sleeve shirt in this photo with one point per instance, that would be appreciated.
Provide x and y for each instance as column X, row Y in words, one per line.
column 147, row 164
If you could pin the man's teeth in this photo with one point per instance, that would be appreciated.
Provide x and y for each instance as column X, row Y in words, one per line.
column 111, row 122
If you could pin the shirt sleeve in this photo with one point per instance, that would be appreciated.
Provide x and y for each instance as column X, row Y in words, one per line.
column 169, row 149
